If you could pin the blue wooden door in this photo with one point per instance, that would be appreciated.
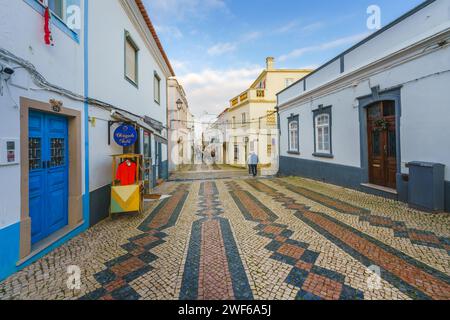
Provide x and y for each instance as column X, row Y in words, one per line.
column 48, row 176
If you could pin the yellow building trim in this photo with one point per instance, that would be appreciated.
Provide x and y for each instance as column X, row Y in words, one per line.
column 265, row 72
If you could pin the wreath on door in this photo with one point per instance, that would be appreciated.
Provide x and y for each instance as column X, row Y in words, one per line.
column 381, row 125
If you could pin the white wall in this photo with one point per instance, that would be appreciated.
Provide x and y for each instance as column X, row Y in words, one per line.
column 345, row 129
column 21, row 33
column 108, row 21
column 291, row 92
column 425, row 121
column 323, row 75
column 411, row 28
column 422, row 24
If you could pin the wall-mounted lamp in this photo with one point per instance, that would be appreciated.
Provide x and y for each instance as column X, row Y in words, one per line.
column 5, row 74
column 179, row 104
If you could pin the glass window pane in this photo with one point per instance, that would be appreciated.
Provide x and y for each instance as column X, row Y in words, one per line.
column 157, row 89
column 57, row 7
column 34, row 153
column 374, row 112
column 388, row 108
column 392, row 144
column 57, row 146
column 130, row 61
column 376, row 141
column 322, row 120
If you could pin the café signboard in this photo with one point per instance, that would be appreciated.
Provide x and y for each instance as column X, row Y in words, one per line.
column 125, row 135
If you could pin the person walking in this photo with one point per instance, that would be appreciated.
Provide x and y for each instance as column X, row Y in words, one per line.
column 249, row 163
column 253, row 161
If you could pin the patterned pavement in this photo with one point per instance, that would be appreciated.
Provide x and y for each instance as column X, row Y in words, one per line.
column 243, row 239
column 193, row 172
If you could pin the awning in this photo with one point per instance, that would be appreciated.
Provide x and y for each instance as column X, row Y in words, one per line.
column 127, row 117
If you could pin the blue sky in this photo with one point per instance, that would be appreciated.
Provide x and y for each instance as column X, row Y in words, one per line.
column 218, row 47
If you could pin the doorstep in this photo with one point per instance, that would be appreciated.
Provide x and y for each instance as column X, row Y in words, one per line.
column 380, row 188
column 47, row 242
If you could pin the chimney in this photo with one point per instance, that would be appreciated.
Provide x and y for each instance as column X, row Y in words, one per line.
column 270, row 63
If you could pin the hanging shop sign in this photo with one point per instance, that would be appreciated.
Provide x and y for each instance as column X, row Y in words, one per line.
column 125, row 135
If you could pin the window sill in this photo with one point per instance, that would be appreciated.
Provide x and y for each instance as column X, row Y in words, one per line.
column 323, row 155
column 294, row 152
column 61, row 25
column 132, row 82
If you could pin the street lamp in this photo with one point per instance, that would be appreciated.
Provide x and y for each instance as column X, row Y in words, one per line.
column 179, row 104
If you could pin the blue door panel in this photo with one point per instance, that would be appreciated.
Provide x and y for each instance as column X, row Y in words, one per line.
column 37, row 223
column 48, row 176
column 57, row 218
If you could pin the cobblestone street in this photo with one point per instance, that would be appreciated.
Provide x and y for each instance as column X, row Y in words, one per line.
column 204, row 171
column 280, row 238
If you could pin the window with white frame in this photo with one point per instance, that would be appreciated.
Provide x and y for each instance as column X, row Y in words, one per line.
column 244, row 119
column 293, row 134
column 261, row 84
column 323, row 134
column 157, row 88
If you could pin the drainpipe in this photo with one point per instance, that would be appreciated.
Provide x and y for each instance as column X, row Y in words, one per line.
column 277, row 109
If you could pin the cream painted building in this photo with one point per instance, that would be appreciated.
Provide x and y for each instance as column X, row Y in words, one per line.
column 181, row 126
column 250, row 123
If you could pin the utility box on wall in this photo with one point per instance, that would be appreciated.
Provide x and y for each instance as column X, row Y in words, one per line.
column 9, row 151
column 426, row 187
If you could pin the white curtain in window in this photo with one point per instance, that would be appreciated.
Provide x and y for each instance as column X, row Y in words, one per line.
column 293, row 136
column 130, row 61
column 323, row 133
column 157, row 88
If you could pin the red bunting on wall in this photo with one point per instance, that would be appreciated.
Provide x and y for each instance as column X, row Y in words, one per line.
column 48, row 37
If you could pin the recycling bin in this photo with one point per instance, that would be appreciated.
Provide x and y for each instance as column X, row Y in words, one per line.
column 426, row 187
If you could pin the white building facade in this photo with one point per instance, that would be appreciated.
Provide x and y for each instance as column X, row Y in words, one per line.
column 44, row 198
column 362, row 118
column 128, row 70
column 181, row 126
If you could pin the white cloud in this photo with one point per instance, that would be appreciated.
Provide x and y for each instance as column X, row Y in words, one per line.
column 210, row 90
column 250, row 36
column 313, row 26
column 179, row 66
column 221, row 48
column 287, row 27
column 170, row 31
column 225, row 47
column 324, row 46
column 296, row 26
